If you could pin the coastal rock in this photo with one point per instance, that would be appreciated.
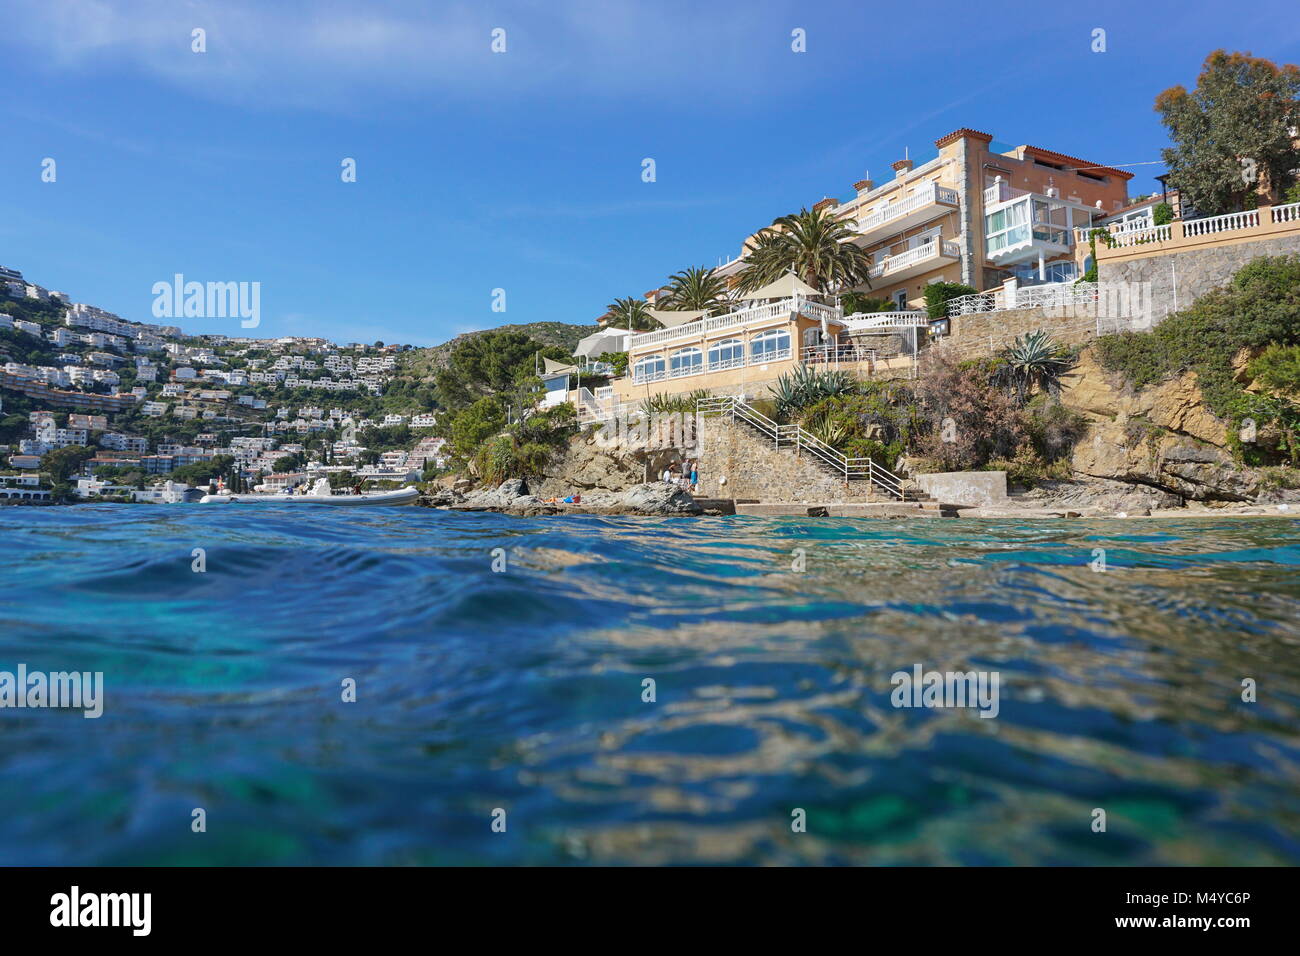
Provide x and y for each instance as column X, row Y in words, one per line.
column 442, row 498
column 511, row 488
column 594, row 462
column 1174, row 405
column 1162, row 436
column 1101, row 497
column 658, row 498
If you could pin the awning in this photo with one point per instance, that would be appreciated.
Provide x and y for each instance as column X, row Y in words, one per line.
column 786, row 287
column 672, row 319
column 598, row 343
column 550, row 368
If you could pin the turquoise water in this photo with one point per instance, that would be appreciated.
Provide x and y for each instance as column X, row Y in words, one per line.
column 522, row 689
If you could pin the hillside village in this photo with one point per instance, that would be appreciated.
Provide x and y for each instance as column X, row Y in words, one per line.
column 93, row 405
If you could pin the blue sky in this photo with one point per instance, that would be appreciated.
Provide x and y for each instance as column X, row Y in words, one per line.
column 479, row 170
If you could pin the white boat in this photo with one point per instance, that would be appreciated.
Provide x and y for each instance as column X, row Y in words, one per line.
column 320, row 494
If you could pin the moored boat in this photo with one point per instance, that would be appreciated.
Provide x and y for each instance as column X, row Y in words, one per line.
column 321, row 494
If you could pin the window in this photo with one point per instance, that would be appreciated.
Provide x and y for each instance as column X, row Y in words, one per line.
column 770, row 346
column 648, row 369
column 685, row 362
column 728, row 354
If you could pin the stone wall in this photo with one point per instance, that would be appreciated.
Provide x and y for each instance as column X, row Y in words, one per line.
column 982, row 334
column 1180, row 278
column 755, row 469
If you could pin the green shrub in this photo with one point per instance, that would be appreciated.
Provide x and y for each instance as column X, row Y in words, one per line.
column 1278, row 368
column 1260, row 307
column 937, row 295
column 805, row 386
column 663, row 403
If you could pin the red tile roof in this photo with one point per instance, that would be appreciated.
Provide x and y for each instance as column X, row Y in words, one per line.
column 957, row 134
column 1075, row 163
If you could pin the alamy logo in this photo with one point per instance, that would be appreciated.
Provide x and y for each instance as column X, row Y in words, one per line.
column 208, row 300
column 103, row 909
column 81, row 690
column 651, row 431
column 922, row 688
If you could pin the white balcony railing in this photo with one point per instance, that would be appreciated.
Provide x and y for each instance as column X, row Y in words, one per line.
column 1121, row 237
column 919, row 200
column 1233, row 220
column 908, row 319
column 1140, row 237
column 1055, row 295
column 911, row 257
column 1002, row 192
column 1287, row 213
column 753, row 313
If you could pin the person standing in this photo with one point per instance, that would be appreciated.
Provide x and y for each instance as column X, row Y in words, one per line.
column 695, row 474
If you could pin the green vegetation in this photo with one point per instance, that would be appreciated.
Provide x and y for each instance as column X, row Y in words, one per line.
column 1033, row 362
column 696, row 288
column 1232, row 133
column 493, row 363
column 524, row 448
column 805, row 386
column 1259, row 308
column 630, row 312
column 663, row 403
column 854, row 303
column 999, row 413
column 423, row 364
column 937, row 295
column 815, row 246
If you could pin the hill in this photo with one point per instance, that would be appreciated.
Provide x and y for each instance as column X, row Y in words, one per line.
column 423, row 363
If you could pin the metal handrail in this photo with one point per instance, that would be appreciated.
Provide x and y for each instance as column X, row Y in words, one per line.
column 795, row 435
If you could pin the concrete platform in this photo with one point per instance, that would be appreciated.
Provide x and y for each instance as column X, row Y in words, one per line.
column 835, row 509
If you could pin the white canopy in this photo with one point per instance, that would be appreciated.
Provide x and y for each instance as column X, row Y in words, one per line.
column 598, row 343
column 557, row 368
column 786, row 287
column 672, row 319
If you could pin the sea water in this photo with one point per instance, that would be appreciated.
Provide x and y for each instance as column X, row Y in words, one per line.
column 290, row 685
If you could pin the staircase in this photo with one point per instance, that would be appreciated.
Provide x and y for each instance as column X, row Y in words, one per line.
column 801, row 442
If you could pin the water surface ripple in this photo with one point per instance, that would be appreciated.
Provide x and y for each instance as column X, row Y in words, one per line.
column 522, row 689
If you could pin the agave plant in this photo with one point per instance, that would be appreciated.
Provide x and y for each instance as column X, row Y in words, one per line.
column 696, row 289
column 814, row 245
column 683, row 403
column 630, row 313
column 832, row 431
column 1033, row 361
column 805, row 386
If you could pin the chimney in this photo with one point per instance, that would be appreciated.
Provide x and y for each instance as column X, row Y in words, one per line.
column 901, row 168
column 864, row 186
column 826, row 203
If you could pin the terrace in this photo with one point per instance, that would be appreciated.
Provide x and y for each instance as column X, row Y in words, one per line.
column 926, row 203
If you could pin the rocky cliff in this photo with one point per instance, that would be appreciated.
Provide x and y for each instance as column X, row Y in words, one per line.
column 1162, row 437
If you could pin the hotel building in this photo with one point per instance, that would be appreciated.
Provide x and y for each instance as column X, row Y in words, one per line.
column 976, row 213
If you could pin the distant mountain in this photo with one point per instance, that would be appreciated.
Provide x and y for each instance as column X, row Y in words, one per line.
column 423, row 363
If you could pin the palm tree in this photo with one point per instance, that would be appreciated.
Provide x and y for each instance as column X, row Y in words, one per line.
column 696, row 289
column 1033, row 361
column 630, row 313
column 814, row 245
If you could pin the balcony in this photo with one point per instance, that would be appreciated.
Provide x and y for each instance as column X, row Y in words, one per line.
column 930, row 202
column 917, row 261
column 737, row 319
